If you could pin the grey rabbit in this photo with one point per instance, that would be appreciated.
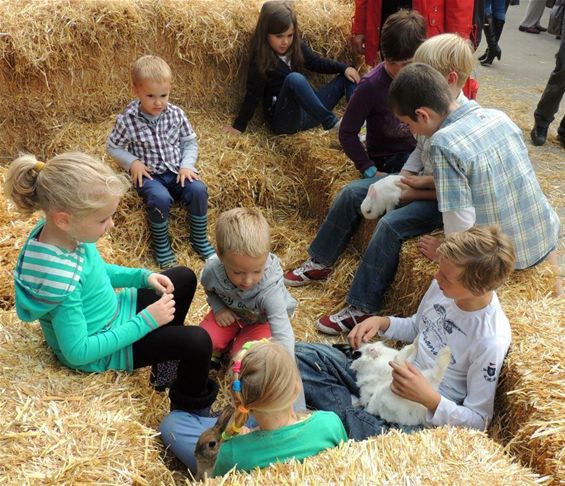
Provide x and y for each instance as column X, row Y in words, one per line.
column 209, row 443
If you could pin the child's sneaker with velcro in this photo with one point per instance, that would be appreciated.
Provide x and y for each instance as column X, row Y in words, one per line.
column 342, row 321
column 310, row 271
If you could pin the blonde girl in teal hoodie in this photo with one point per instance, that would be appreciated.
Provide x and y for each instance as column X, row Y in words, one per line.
column 62, row 281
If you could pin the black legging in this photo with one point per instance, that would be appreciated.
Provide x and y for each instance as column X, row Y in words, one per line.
column 175, row 341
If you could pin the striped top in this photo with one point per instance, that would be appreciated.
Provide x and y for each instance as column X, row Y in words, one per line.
column 85, row 322
column 480, row 161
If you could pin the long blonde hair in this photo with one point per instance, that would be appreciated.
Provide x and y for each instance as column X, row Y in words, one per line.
column 264, row 379
column 73, row 182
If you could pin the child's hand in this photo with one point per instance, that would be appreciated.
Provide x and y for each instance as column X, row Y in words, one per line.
column 352, row 74
column 418, row 182
column 225, row 318
column 138, row 171
column 428, row 245
column 366, row 330
column 187, row 174
column 163, row 310
column 232, row 130
column 358, row 43
column 160, row 283
column 409, row 382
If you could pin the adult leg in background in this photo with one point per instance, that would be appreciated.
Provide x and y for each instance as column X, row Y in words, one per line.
column 549, row 102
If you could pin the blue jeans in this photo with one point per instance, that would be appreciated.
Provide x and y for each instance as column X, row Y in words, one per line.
column 329, row 383
column 379, row 262
column 496, row 9
column 160, row 193
column 299, row 107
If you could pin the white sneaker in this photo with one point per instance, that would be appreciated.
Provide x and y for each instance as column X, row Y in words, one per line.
column 308, row 272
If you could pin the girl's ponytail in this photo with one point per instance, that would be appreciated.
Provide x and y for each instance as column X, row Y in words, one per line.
column 21, row 183
column 73, row 182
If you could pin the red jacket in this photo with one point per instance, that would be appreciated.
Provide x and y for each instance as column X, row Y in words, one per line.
column 440, row 15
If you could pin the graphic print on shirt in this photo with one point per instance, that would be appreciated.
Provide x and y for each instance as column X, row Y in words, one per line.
column 490, row 372
column 436, row 328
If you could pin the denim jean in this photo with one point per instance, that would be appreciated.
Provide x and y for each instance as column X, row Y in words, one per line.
column 379, row 262
column 496, row 8
column 299, row 107
column 160, row 193
column 329, row 383
column 548, row 104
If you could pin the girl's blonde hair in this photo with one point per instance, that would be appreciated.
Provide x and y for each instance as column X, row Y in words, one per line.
column 485, row 255
column 448, row 53
column 73, row 182
column 243, row 231
column 276, row 17
column 151, row 68
column 264, row 378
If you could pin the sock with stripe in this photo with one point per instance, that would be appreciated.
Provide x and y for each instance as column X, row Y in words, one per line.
column 161, row 244
column 199, row 235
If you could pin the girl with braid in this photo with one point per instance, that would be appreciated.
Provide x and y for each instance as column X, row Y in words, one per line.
column 265, row 385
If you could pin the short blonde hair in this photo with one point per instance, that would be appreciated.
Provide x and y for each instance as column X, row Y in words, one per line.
column 151, row 68
column 73, row 182
column 448, row 53
column 485, row 254
column 243, row 231
column 268, row 380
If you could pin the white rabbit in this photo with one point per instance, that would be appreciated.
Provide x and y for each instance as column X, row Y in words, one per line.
column 382, row 196
column 374, row 379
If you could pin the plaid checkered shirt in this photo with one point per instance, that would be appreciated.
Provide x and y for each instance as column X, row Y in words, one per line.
column 480, row 161
column 156, row 143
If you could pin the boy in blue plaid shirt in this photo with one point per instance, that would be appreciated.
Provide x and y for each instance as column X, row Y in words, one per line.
column 153, row 140
column 481, row 169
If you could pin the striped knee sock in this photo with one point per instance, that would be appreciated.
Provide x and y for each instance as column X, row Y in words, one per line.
column 161, row 245
column 199, row 235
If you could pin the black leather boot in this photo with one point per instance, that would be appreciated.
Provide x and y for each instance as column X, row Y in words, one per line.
column 490, row 35
column 180, row 400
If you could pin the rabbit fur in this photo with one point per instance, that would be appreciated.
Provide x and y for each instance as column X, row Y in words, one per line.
column 382, row 196
column 374, row 376
column 209, row 442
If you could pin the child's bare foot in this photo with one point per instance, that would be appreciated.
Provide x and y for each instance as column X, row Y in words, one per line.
column 428, row 245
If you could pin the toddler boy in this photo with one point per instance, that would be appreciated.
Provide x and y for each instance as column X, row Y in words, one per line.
column 244, row 285
column 460, row 310
column 154, row 141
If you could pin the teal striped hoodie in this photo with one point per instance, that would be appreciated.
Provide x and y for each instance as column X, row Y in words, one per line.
column 85, row 322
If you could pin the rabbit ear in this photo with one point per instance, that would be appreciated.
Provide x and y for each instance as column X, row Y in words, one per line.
column 225, row 417
column 372, row 192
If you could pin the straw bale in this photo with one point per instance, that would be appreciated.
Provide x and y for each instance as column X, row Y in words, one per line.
column 75, row 56
column 445, row 456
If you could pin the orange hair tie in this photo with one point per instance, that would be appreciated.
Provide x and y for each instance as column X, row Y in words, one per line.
column 242, row 409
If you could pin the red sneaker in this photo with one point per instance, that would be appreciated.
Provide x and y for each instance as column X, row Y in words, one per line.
column 306, row 273
column 342, row 321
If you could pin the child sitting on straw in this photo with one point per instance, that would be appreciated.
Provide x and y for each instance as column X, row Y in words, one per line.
column 244, row 286
column 453, row 56
column 460, row 310
column 275, row 77
column 388, row 141
column 62, row 281
column 264, row 384
column 481, row 169
column 154, row 141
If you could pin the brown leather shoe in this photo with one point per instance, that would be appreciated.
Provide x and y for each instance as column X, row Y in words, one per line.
column 529, row 30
